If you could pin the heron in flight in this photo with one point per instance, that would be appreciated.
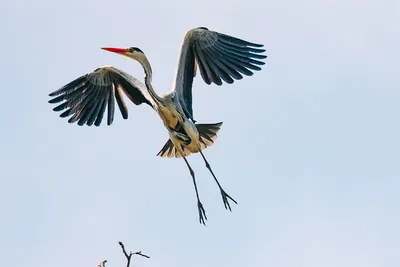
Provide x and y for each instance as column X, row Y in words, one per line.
column 219, row 57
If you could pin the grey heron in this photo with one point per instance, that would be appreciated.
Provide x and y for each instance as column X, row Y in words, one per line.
column 219, row 57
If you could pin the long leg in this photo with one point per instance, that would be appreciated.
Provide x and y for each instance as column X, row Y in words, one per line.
column 202, row 212
column 224, row 195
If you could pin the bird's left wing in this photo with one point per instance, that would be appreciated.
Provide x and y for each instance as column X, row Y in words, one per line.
column 87, row 97
column 218, row 56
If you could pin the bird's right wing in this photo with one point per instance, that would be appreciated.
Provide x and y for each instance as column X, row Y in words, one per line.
column 87, row 97
column 218, row 56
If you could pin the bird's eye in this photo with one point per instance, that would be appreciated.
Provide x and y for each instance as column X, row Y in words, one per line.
column 135, row 49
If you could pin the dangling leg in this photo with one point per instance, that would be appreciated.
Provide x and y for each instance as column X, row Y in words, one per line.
column 224, row 195
column 202, row 212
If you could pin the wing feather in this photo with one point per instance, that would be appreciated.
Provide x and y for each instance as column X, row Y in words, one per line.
column 236, row 41
column 219, row 57
column 96, row 112
column 202, row 68
column 247, row 57
column 89, row 108
column 79, row 103
column 101, row 112
column 111, row 105
column 87, row 97
column 70, row 86
column 223, row 71
column 121, row 102
column 209, row 66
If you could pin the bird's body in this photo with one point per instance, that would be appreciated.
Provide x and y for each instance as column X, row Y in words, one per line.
column 182, row 131
column 218, row 57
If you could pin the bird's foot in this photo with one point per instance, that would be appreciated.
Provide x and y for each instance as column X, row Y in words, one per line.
column 202, row 213
column 225, row 197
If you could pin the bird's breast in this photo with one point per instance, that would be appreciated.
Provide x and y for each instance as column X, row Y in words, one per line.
column 169, row 116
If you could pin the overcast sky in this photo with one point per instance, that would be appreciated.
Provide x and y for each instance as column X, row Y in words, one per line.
column 309, row 146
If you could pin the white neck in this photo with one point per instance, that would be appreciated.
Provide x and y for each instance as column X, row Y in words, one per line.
column 148, row 76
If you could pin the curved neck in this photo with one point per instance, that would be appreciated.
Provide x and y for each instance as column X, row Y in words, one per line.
column 148, row 76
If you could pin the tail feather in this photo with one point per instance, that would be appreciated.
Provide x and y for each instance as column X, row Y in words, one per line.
column 167, row 150
column 207, row 136
column 208, row 133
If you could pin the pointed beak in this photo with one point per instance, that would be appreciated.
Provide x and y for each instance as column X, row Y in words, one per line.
column 116, row 50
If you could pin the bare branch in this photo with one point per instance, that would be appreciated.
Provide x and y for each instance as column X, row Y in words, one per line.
column 140, row 253
column 123, row 249
column 128, row 256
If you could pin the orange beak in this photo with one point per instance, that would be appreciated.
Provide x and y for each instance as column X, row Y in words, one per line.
column 116, row 50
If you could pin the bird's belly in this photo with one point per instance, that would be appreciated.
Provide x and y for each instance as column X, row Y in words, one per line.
column 183, row 142
column 185, row 137
column 183, row 132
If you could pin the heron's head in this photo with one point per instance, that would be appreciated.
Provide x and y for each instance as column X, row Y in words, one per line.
column 131, row 52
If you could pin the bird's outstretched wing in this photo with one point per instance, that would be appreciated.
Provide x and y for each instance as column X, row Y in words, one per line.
column 87, row 97
column 218, row 56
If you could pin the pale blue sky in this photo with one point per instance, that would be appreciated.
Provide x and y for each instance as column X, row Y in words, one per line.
column 309, row 146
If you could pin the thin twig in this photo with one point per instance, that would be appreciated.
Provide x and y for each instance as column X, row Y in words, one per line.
column 140, row 254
